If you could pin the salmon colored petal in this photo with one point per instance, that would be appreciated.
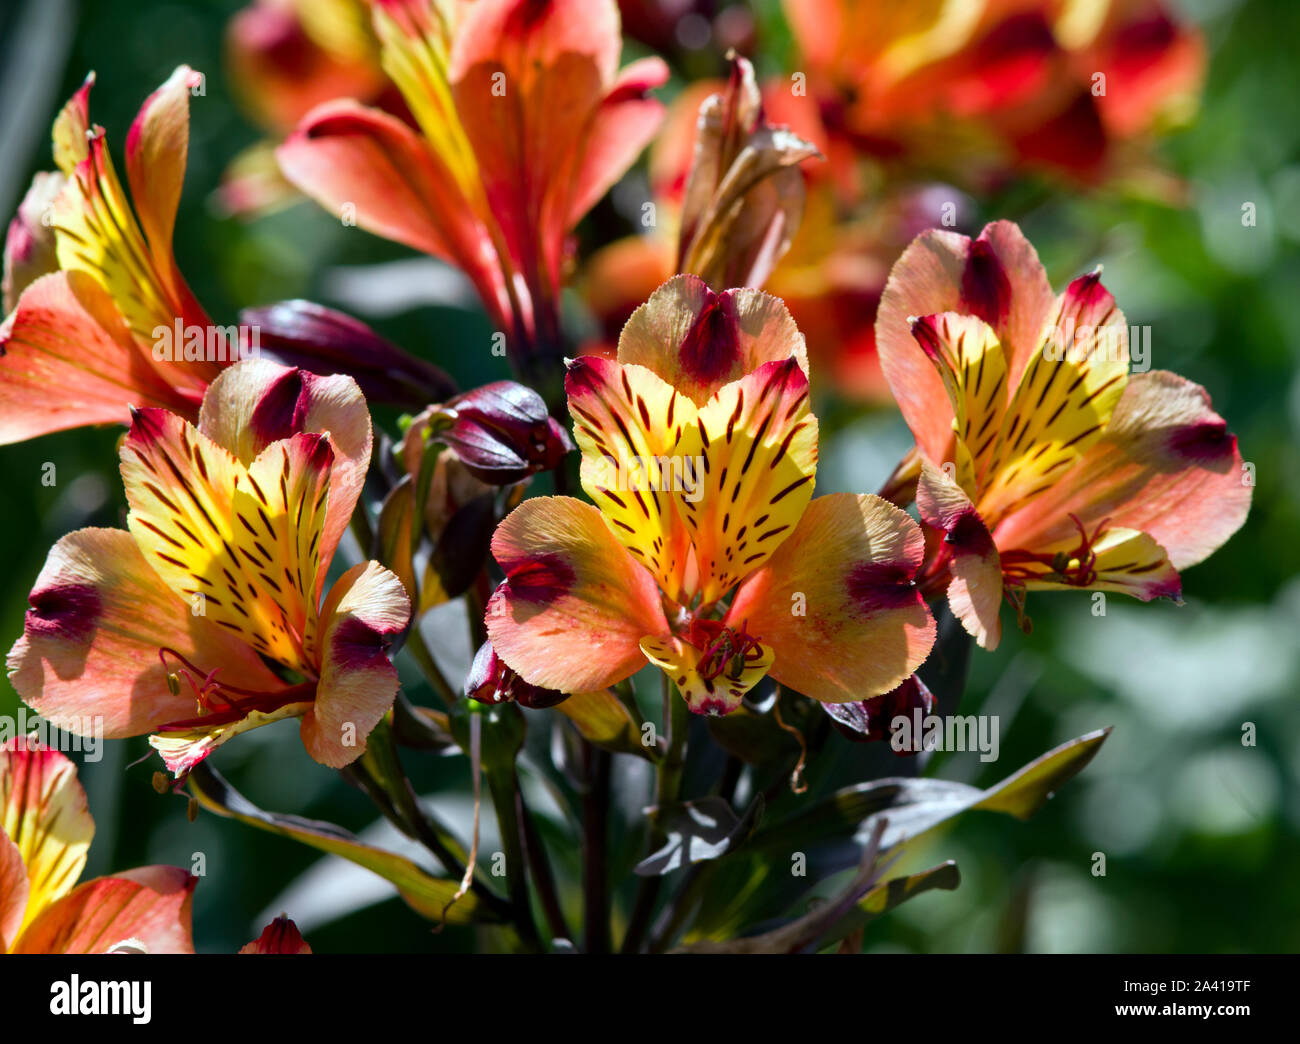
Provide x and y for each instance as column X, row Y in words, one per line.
column 627, row 422
column 67, row 359
column 714, row 696
column 157, row 147
column 257, row 402
column 146, row 909
column 1064, row 400
column 30, row 248
column 975, row 591
column 837, row 603
column 1166, row 465
column 753, row 449
column 574, row 605
column 13, row 893
column 698, row 340
column 45, row 814
column 623, row 126
column 365, row 610
column 344, row 154
column 280, row 936
column 996, row 277
column 89, row 650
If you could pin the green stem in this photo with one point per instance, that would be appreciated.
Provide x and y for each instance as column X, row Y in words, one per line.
column 504, row 787
column 595, row 860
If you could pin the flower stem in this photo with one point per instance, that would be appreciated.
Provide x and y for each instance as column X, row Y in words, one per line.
column 595, row 835
column 504, row 787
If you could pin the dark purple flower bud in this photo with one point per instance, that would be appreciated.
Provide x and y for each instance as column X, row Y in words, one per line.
column 870, row 720
column 324, row 341
column 490, row 680
column 502, row 432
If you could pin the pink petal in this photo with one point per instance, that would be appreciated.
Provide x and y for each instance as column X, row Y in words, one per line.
column 575, row 605
column 365, row 610
column 89, row 650
column 836, row 602
column 975, row 591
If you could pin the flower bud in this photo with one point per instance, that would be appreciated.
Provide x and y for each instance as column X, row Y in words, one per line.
column 491, row 680
column 870, row 720
column 503, row 433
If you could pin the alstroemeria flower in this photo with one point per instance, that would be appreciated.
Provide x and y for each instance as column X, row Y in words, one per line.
column 45, row 833
column 977, row 85
column 210, row 616
column 524, row 121
column 1043, row 460
column 79, row 345
column 700, row 451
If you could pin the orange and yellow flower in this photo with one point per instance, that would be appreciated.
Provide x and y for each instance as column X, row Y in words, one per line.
column 699, row 448
column 91, row 281
column 982, row 86
column 210, row 616
column 1042, row 460
column 45, row 834
column 523, row 120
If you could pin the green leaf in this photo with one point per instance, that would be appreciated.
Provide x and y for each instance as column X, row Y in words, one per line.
column 835, row 918
column 698, row 831
column 424, row 893
column 914, row 806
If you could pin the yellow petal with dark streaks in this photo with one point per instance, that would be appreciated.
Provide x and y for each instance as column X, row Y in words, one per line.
column 182, row 489
column 973, row 366
column 1063, row 402
column 756, row 446
column 627, row 422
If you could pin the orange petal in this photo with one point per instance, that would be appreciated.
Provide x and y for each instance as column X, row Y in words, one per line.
column 698, row 340
column 156, row 150
column 45, row 816
column 575, row 605
column 345, row 154
column 836, row 602
column 146, row 909
column 366, row 608
column 89, row 650
column 67, row 359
